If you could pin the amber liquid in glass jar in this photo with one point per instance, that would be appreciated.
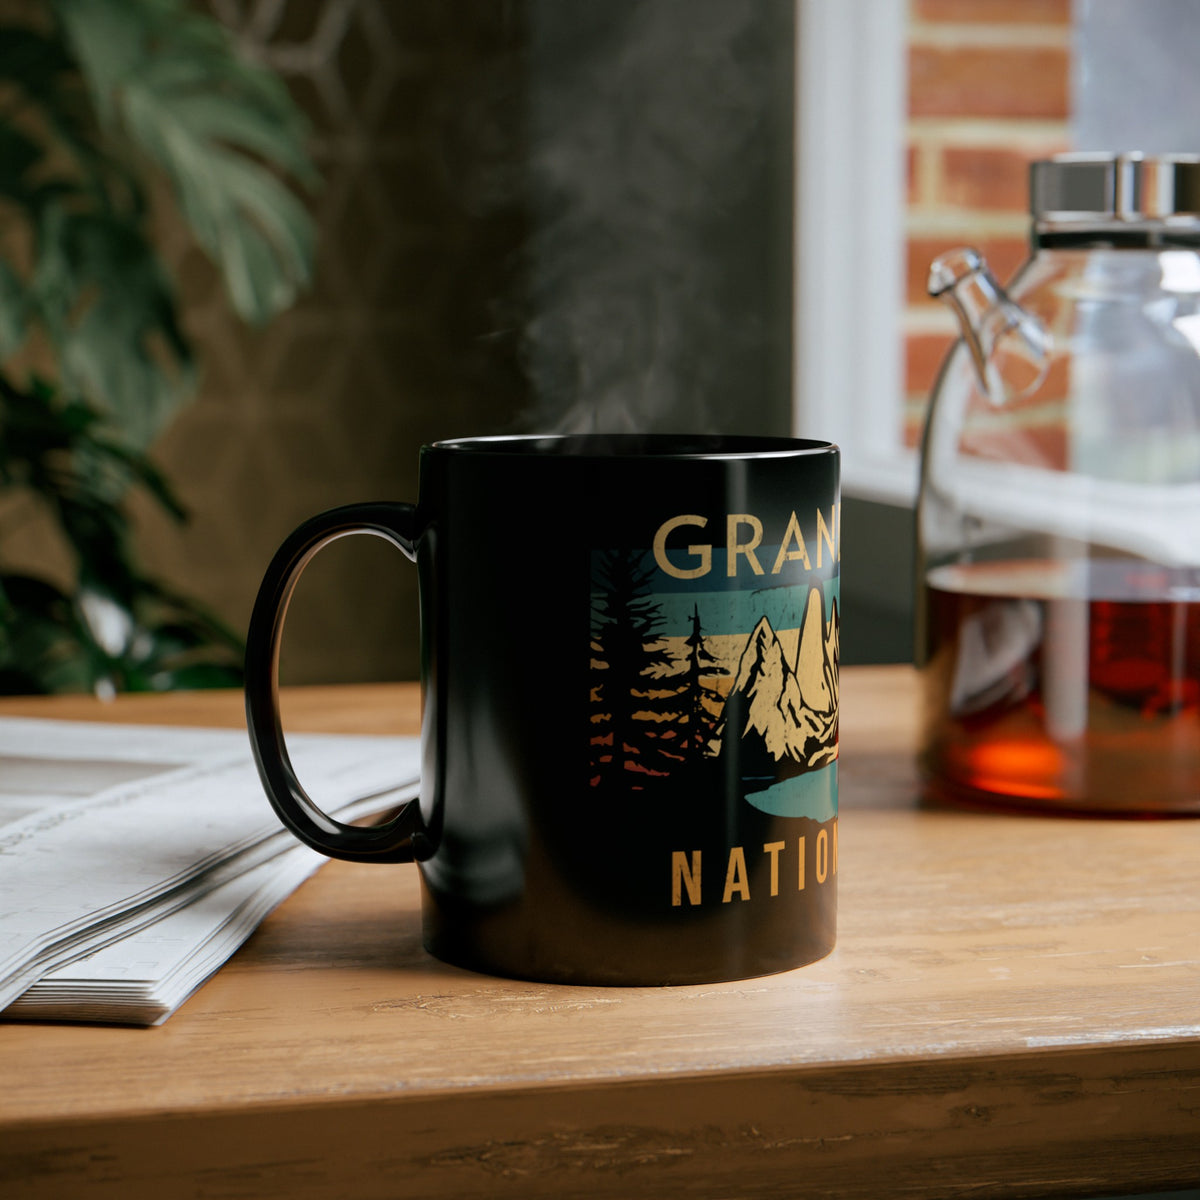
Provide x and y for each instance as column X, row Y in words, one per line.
column 1064, row 686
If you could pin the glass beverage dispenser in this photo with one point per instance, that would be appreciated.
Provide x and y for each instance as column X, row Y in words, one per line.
column 1059, row 510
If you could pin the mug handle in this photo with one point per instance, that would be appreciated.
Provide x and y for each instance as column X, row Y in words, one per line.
column 388, row 843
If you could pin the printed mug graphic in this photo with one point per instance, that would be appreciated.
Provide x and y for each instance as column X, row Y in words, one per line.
column 700, row 651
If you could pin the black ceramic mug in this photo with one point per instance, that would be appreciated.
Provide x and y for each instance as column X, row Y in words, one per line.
column 629, row 651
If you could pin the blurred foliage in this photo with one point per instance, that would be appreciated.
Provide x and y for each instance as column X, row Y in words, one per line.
column 98, row 99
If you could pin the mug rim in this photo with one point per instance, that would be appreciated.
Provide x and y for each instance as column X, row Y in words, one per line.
column 602, row 446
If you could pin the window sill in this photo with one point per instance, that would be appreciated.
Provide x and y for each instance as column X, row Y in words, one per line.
column 882, row 480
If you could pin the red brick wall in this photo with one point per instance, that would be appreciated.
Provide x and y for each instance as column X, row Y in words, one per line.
column 988, row 92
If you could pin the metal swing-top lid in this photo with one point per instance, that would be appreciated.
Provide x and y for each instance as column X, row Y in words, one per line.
column 1109, row 189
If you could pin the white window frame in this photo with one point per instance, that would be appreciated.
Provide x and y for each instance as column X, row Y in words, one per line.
column 851, row 114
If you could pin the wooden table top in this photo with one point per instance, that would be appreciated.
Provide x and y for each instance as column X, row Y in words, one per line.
column 1013, row 1009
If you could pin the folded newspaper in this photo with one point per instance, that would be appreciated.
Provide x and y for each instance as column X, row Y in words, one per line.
column 134, row 860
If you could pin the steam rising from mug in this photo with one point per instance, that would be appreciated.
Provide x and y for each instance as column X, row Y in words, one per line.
column 659, row 259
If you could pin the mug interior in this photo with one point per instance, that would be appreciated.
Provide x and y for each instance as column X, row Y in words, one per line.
column 636, row 445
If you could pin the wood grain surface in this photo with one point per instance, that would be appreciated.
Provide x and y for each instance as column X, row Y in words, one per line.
column 1013, row 1009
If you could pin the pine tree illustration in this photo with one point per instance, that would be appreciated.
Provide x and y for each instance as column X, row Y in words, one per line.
column 628, row 703
column 701, row 701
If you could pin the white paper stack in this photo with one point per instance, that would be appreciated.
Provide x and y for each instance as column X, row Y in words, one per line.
column 135, row 860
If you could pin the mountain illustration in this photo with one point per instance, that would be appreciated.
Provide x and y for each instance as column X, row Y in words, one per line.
column 833, row 650
column 668, row 710
column 783, row 714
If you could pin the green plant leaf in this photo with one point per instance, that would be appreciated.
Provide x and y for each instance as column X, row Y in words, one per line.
column 141, row 470
column 32, row 60
column 48, row 112
column 171, row 82
column 40, row 647
column 111, row 314
column 18, row 156
column 13, row 314
column 59, row 451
